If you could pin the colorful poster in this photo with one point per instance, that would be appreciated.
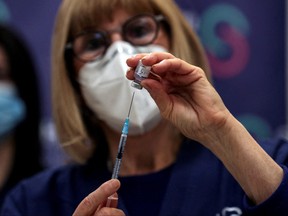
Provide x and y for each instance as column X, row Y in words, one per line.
column 245, row 44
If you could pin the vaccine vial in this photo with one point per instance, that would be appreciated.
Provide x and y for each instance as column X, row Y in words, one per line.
column 141, row 73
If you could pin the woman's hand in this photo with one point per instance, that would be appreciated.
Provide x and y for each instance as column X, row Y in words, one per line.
column 183, row 94
column 95, row 203
column 187, row 99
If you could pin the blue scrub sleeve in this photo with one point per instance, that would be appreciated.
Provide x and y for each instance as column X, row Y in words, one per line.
column 276, row 204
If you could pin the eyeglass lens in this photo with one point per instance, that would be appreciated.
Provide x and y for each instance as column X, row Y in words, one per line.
column 140, row 30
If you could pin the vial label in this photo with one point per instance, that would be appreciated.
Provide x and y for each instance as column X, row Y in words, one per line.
column 142, row 71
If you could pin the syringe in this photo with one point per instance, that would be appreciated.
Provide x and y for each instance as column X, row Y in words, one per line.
column 121, row 147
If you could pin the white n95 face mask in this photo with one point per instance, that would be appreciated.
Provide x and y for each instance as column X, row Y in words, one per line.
column 108, row 92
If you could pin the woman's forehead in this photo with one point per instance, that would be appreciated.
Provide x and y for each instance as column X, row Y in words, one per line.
column 94, row 17
column 117, row 19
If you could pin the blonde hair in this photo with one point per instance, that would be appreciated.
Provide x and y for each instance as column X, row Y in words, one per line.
column 73, row 16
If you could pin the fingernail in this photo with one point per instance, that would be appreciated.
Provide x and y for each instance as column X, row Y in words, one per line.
column 114, row 183
column 162, row 62
column 146, row 57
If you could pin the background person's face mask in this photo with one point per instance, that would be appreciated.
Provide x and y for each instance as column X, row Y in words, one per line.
column 12, row 109
column 108, row 92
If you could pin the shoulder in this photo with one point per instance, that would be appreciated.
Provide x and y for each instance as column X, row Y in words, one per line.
column 51, row 176
column 48, row 181
column 54, row 190
column 277, row 148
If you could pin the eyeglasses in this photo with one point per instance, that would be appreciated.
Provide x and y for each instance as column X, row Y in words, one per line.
column 139, row 30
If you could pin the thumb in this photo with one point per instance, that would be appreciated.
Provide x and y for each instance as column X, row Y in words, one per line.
column 159, row 95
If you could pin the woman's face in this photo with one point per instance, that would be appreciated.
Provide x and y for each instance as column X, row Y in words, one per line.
column 119, row 18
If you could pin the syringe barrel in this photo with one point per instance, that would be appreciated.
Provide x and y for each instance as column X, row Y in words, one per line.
column 116, row 168
column 118, row 160
column 121, row 145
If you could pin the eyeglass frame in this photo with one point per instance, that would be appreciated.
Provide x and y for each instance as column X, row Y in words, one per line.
column 156, row 18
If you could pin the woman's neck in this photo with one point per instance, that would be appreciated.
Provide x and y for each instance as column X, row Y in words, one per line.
column 146, row 153
column 6, row 159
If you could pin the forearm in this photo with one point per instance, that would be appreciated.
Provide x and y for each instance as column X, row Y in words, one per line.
column 186, row 98
column 257, row 173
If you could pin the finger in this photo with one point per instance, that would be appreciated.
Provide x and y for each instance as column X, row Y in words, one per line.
column 177, row 65
column 130, row 74
column 159, row 95
column 147, row 60
column 112, row 201
column 178, row 72
column 105, row 211
column 156, row 57
column 90, row 203
column 133, row 60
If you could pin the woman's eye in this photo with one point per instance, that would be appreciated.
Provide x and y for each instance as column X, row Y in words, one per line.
column 139, row 31
column 93, row 44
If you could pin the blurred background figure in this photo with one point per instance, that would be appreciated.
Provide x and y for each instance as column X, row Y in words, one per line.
column 20, row 147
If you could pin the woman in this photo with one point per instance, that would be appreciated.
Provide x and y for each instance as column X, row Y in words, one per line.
column 19, row 113
column 175, row 150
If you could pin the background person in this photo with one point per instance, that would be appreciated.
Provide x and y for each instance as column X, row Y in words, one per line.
column 187, row 155
column 20, row 149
